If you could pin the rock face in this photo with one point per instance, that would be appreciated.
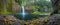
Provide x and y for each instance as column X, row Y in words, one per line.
column 8, row 20
column 16, row 7
column 11, row 20
column 1, row 20
column 54, row 20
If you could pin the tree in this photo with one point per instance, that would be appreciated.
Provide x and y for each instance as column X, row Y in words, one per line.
column 3, row 9
column 6, row 6
column 56, row 6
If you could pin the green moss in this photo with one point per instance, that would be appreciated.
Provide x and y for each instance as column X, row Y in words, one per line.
column 41, row 13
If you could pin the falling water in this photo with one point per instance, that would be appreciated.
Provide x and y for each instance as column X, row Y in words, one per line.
column 23, row 12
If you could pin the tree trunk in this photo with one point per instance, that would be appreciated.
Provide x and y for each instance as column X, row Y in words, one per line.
column 55, row 4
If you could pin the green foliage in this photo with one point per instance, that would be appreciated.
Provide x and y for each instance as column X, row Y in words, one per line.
column 38, row 13
column 6, row 8
column 19, row 1
column 9, row 7
column 42, row 3
column 3, row 9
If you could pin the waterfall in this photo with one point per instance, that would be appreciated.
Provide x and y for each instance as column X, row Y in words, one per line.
column 23, row 12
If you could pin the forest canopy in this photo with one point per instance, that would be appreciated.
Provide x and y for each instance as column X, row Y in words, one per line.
column 34, row 4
